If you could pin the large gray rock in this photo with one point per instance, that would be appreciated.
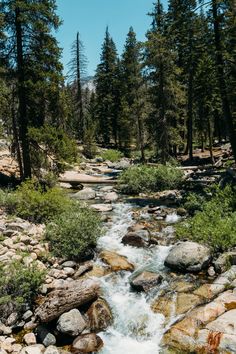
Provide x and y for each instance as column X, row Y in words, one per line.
column 71, row 323
column 145, row 281
column 224, row 261
column 85, row 194
column 188, row 257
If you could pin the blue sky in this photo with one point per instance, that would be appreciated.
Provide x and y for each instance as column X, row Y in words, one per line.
column 90, row 18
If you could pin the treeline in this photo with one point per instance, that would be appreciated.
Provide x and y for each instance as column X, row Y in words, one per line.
column 169, row 94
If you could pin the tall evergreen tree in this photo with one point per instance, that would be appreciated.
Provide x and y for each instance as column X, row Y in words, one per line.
column 133, row 90
column 77, row 73
column 105, row 91
column 166, row 92
column 33, row 56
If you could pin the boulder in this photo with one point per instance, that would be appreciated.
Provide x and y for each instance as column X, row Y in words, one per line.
column 87, row 343
column 57, row 302
column 116, row 261
column 71, row 323
column 139, row 238
column 145, row 281
column 85, row 194
column 100, row 315
column 188, row 257
column 111, row 197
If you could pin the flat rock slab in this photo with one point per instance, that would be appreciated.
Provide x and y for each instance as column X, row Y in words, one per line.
column 102, row 208
column 116, row 261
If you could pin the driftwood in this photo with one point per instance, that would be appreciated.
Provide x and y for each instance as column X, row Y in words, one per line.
column 63, row 300
column 79, row 178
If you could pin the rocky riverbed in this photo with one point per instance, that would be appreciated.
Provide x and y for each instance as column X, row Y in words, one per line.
column 142, row 293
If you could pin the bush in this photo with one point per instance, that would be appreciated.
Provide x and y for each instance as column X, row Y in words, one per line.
column 215, row 225
column 32, row 202
column 74, row 233
column 112, row 155
column 143, row 178
column 193, row 202
column 51, row 148
column 19, row 285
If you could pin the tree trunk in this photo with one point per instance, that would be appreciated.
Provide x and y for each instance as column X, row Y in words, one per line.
column 66, row 299
column 23, row 121
column 221, row 78
column 79, row 90
column 16, row 136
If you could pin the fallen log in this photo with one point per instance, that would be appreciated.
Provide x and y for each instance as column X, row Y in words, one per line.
column 79, row 178
column 63, row 300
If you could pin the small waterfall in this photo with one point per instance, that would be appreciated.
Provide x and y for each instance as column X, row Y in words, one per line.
column 136, row 329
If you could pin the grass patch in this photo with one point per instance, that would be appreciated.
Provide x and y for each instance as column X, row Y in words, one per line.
column 142, row 178
column 112, row 155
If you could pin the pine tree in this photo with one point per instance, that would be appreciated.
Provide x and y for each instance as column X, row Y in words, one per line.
column 221, row 70
column 166, row 92
column 33, row 55
column 182, row 29
column 77, row 73
column 133, row 90
column 105, row 91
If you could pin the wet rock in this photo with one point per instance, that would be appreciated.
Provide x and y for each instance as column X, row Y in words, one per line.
column 87, row 343
column 85, row 194
column 188, row 257
column 87, row 266
column 224, row 261
column 100, row 315
column 116, row 261
column 29, row 339
column 145, row 281
column 102, row 208
column 45, row 337
column 111, row 197
column 106, row 189
column 139, row 238
column 71, row 323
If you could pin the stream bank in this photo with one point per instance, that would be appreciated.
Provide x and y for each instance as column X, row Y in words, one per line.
column 165, row 309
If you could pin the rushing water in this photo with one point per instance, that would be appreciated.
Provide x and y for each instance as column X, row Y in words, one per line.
column 136, row 329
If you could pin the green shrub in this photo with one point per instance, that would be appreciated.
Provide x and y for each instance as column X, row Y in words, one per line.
column 193, row 202
column 143, row 178
column 74, row 233
column 112, row 155
column 215, row 225
column 51, row 148
column 31, row 202
column 19, row 284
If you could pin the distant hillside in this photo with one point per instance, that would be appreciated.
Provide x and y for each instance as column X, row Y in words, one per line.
column 88, row 83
